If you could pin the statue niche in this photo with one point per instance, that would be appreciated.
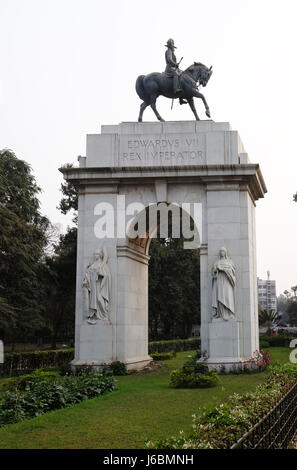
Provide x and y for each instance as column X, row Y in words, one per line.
column 223, row 287
column 97, row 289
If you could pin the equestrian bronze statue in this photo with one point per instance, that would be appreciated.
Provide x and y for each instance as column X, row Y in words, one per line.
column 173, row 83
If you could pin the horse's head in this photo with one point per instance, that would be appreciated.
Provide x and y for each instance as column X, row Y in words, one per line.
column 204, row 73
column 200, row 73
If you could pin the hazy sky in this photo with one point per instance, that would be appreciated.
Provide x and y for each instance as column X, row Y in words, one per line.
column 68, row 66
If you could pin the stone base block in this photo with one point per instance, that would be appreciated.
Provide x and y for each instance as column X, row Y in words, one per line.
column 95, row 345
column 138, row 364
column 97, row 366
column 223, row 341
column 226, row 364
column 79, row 365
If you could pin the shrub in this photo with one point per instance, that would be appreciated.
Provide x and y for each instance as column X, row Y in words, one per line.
column 21, row 382
column 264, row 337
column 193, row 364
column 162, row 356
column 37, row 376
column 194, row 374
column 85, row 370
column 198, row 368
column 180, row 379
column 279, row 341
column 264, row 344
column 41, row 396
column 7, row 384
column 118, row 368
column 65, row 369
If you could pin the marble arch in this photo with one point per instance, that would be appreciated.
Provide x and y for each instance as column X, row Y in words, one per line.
column 201, row 162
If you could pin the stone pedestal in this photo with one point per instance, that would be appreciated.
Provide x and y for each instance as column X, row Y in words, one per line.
column 200, row 162
column 224, row 339
column 224, row 344
column 95, row 344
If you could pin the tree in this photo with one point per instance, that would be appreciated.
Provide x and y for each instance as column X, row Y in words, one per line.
column 174, row 293
column 294, row 290
column 59, row 271
column 59, row 277
column 292, row 311
column 287, row 304
column 69, row 200
column 268, row 318
column 53, row 236
column 282, row 303
column 7, row 315
column 292, row 305
column 22, row 241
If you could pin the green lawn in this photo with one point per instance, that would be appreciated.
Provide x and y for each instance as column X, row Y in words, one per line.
column 144, row 407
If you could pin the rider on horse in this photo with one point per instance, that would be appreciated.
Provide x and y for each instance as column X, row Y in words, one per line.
column 172, row 68
column 173, row 83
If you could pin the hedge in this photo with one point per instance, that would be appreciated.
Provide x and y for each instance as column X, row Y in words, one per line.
column 275, row 341
column 18, row 362
column 22, row 381
column 164, row 356
column 174, row 345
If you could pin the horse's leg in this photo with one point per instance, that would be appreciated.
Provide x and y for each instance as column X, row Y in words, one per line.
column 142, row 108
column 197, row 94
column 153, row 106
column 192, row 106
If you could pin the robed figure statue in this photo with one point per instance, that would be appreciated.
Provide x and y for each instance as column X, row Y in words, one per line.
column 97, row 288
column 223, row 287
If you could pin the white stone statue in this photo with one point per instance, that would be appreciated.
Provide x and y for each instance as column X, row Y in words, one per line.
column 97, row 288
column 223, row 287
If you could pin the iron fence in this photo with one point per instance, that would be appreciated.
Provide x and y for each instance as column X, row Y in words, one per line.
column 276, row 429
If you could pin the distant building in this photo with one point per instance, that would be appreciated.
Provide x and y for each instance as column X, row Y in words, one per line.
column 267, row 294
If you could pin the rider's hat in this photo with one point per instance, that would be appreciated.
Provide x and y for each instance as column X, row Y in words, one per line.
column 170, row 42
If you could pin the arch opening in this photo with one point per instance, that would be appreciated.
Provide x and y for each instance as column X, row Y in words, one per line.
column 170, row 287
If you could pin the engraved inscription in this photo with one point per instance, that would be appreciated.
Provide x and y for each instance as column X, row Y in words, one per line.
column 164, row 150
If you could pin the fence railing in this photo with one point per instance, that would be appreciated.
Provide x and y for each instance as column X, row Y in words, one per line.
column 276, row 429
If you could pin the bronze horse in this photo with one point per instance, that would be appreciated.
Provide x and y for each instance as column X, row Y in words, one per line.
column 149, row 87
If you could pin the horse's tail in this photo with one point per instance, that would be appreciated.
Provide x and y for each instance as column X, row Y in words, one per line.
column 141, row 90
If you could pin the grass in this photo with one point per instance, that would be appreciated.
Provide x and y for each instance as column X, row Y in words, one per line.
column 143, row 408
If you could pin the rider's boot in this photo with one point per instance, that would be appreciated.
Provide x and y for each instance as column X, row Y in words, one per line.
column 176, row 85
